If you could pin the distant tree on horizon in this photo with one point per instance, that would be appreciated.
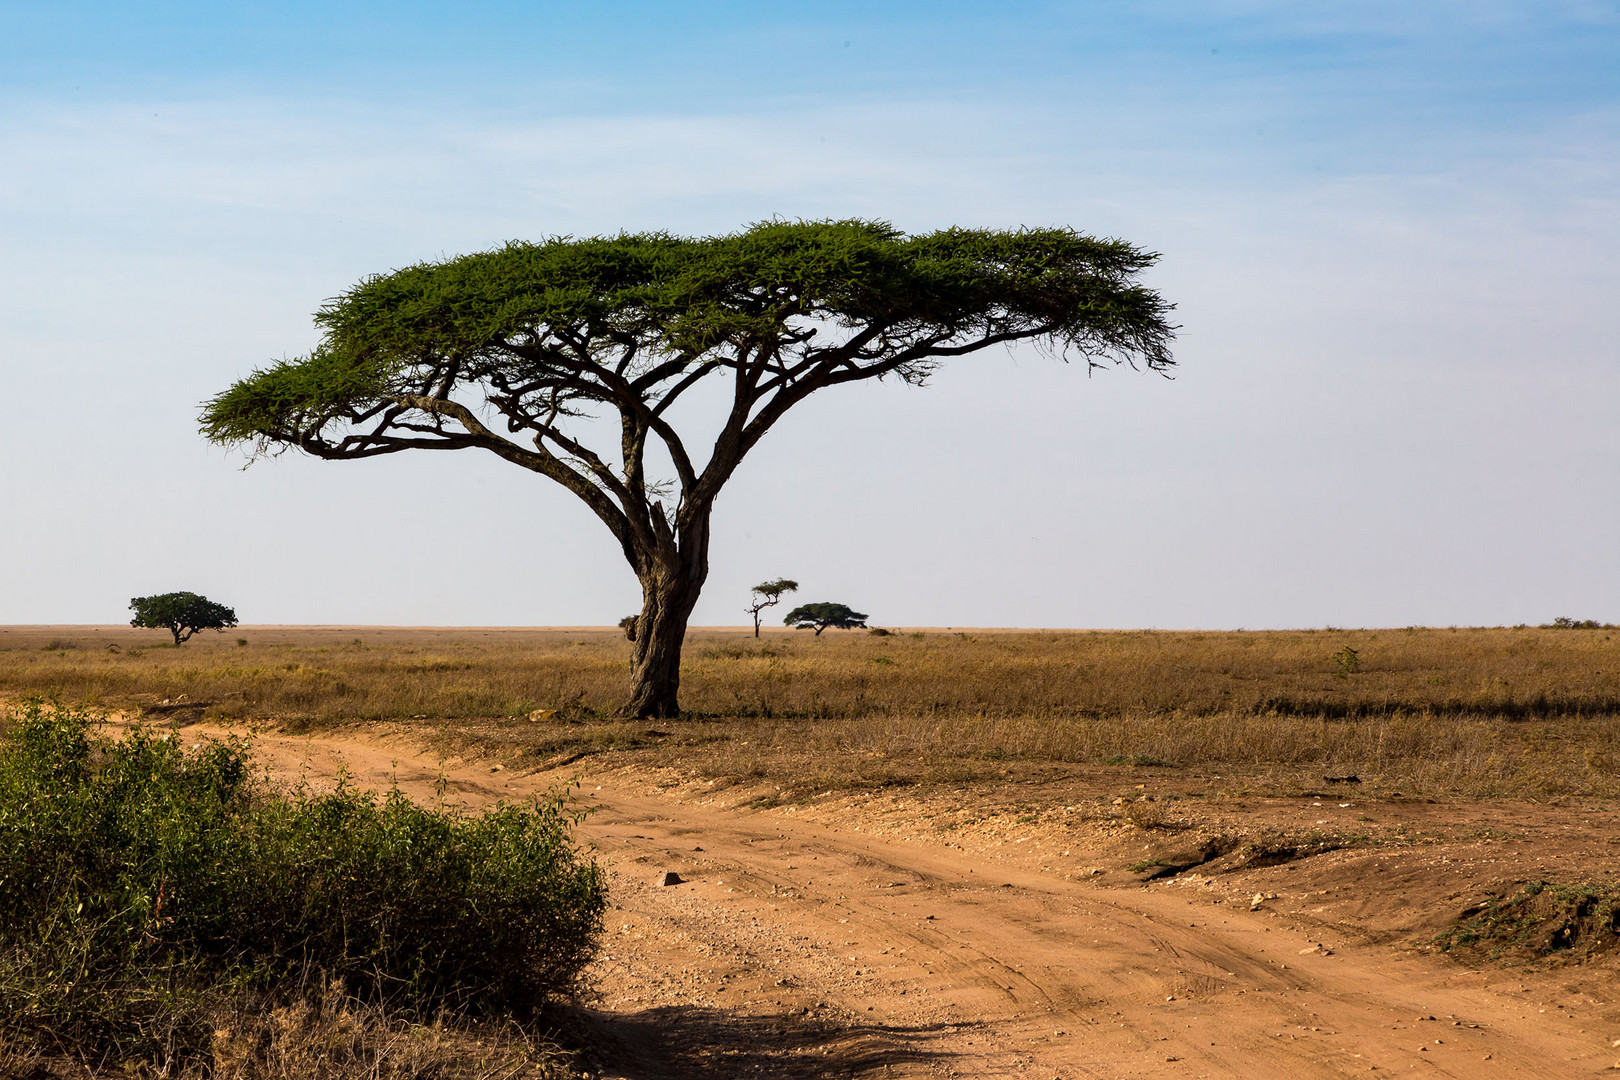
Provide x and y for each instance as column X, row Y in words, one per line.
column 181, row 614
column 768, row 594
column 820, row 616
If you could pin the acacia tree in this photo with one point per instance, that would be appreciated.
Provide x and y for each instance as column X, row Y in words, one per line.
column 768, row 594
column 818, row 617
column 513, row 350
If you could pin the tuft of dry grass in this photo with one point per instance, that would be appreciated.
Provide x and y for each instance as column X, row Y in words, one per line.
column 1522, row 712
column 330, row 1036
column 326, row 1035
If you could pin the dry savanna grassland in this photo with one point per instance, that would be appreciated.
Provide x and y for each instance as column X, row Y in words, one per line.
column 1523, row 712
column 940, row 852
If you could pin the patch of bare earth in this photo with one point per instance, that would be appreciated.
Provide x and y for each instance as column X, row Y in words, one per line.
column 1059, row 929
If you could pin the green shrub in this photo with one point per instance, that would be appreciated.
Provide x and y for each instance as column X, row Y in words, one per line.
column 145, row 884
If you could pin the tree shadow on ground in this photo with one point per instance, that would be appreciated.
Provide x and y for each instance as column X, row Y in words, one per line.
column 681, row 1042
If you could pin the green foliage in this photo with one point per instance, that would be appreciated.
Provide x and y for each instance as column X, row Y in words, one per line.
column 820, row 616
column 690, row 298
column 180, row 613
column 1347, row 661
column 772, row 590
column 145, row 883
column 1563, row 622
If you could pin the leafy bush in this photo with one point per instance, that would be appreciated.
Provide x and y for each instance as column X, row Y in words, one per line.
column 148, row 886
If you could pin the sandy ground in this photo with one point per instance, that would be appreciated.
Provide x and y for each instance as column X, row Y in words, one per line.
column 896, row 934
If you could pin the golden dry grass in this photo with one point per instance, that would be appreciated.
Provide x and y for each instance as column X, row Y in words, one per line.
column 326, row 1035
column 1472, row 711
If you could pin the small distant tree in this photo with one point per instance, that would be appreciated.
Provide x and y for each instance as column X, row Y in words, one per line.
column 628, row 625
column 1564, row 622
column 180, row 613
column 768, row 594
column 820, row 616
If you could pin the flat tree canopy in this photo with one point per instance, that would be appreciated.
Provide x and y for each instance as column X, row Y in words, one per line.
column 819, row 617
column 505, row 350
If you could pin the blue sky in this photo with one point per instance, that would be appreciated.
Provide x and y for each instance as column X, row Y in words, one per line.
column 1391, row 229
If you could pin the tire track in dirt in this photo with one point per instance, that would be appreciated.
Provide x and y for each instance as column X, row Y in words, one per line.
column 804, row 948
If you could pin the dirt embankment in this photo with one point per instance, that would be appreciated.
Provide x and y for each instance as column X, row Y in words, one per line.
column 964, row 933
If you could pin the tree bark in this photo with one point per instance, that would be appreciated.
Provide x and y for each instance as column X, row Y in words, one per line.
column 671, row 580
column 655, row 660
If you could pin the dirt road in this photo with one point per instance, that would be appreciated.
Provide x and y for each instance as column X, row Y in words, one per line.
column 844, row 938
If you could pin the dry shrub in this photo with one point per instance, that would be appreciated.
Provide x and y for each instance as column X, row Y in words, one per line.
column 326, row 1035
column 330, row 1036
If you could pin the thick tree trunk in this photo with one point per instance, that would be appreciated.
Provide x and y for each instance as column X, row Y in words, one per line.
column 655, row 660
